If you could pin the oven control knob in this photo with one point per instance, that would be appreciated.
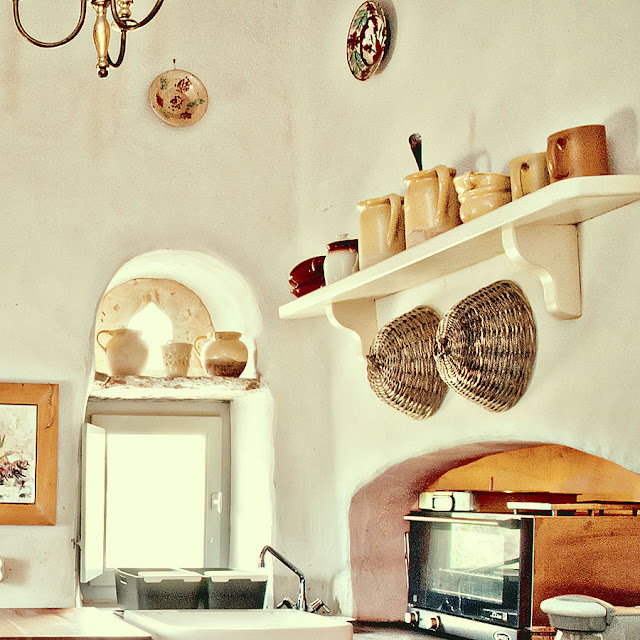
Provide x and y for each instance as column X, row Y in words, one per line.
column 433, row 624
column 412, row 618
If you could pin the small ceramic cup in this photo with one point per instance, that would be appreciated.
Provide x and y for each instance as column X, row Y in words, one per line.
column 176, row 357
column 580, row 151
column 528, row 173
column 341, row 260
column 480, row 193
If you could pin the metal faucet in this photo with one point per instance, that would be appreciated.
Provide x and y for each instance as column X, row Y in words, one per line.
column 302, row 592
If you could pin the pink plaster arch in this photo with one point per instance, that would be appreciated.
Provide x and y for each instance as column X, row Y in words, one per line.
column 376, row 525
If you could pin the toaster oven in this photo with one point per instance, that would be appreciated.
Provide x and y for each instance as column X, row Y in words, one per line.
column 483, row 575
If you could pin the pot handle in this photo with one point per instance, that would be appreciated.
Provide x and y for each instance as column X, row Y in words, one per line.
column 104, row 347
column 558, row 170
column 444, row 187
column 195, row 343
column 394, row 222
column 516, row 180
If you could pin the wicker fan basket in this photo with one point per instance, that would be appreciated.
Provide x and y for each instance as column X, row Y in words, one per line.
column 486, row 346
column 400, row 365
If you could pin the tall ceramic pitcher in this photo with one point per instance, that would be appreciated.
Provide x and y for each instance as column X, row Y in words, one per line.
column 125, row 350
column 430, row 205
column 381, row 229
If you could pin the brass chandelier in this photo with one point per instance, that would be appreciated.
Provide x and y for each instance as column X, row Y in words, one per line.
column 121, row 13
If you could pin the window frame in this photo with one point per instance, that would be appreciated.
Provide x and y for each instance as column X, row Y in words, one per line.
column 101, row 590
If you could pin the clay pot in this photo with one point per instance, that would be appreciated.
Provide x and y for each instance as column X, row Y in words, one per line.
column 223, row 355
column 125, row 351
column 480, row 193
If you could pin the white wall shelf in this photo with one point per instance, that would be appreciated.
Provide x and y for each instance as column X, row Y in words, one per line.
column 538, row 232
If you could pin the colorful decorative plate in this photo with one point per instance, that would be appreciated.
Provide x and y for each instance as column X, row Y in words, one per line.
column 367, row 40
column 178, row 98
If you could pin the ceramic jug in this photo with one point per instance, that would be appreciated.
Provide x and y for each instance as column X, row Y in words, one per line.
column 381, row 229
column 430, row 205
column 125, row 351
column 224, row 354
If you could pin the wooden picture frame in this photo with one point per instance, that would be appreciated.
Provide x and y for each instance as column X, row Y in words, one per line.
column 28, row 439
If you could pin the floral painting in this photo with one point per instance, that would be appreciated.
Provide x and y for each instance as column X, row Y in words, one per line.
column 18, row 430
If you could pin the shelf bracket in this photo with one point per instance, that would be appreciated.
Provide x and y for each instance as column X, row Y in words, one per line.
column 551, row 252
column 359, row 317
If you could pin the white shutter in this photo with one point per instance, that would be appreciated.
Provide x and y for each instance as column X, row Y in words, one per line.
column 93, row 502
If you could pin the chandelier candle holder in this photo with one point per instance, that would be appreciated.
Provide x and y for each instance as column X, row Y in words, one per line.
column 121, row 14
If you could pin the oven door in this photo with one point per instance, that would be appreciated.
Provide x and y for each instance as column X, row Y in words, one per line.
column 477, row 568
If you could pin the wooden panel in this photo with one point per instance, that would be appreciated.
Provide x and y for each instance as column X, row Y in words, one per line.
column 45, row 398
column 544, row 468
column 597, row 556
column 56, row 624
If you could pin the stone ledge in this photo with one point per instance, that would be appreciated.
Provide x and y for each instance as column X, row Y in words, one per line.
column 146, row 388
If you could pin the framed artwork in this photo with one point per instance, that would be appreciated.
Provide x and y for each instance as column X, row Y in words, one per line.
column 28, row 453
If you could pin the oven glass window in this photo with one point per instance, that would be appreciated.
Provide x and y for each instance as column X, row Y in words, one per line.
column 479, row 558
column 466, row 569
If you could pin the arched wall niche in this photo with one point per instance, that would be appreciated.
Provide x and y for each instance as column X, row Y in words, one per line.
column 187, row 314
column 376, row 525
column 225, row 293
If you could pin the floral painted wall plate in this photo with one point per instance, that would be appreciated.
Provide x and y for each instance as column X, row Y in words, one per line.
column 367, row 40
column 178, row 98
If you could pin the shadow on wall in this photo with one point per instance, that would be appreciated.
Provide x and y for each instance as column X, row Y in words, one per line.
column 376, row 522
column 622, row 142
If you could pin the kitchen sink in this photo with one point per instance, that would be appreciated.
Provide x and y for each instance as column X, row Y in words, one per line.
column 239, row 624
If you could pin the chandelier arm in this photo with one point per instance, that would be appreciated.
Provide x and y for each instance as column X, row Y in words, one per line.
column 40, row 43
column 123, row 48
column 133, row 24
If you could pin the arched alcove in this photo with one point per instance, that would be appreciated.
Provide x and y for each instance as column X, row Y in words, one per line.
column 163, row 309
column 376, row 525
column 187, row 281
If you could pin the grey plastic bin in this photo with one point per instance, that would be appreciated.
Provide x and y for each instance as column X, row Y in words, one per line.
column 234, row 589
column 158, row 588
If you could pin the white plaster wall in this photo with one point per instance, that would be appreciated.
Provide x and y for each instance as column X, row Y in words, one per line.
column 91, row 178
column 251, row 478
column 291, row 142
column 483, row 82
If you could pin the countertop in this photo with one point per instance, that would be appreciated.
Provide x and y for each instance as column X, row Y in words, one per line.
column 90, row 623
column 61, row 624
column 384, row 631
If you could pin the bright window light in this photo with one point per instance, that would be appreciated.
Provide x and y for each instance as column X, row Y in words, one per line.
column 157, row 329
column 155, row 500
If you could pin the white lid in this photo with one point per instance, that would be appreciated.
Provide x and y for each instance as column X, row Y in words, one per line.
column 171, row 574
column 567, row 606
column 234, row 574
